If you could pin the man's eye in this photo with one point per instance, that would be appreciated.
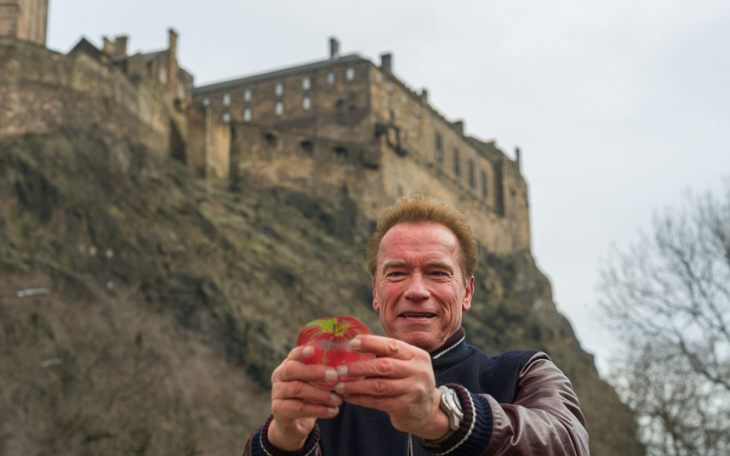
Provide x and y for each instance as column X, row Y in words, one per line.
column 395, row 274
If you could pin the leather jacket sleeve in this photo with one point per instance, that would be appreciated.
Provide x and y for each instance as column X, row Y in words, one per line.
column 545, row 417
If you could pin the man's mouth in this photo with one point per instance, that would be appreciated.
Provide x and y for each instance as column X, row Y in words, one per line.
column 417, row 315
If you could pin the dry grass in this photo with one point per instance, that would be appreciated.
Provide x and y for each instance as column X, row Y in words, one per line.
column 130, row 381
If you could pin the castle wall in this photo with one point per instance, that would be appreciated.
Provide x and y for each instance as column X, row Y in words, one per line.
column 41, row 90
column 374, row 175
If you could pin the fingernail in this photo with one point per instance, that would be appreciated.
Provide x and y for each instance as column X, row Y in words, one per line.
column 330, row 376
column 336, row 399
column 342, row 371
column 332, row 410
column 355, row 344
column 340, row 387
column 308, row 351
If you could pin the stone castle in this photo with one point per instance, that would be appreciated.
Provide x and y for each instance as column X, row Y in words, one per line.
column 339, row 126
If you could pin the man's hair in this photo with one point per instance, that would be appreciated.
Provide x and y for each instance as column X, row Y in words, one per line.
column 423, row 209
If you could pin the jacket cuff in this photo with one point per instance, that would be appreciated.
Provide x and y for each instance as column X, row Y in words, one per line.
column 261, row 446
column 475, row 430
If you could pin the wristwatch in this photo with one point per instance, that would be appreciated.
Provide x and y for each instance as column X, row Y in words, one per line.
column 451, row 406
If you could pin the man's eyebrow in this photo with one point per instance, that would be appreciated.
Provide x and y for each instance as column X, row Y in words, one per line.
column 393, row 264
column 440, row 264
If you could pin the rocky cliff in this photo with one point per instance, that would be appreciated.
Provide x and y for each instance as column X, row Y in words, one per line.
column 172, row 300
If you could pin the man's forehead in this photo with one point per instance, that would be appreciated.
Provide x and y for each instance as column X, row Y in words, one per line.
column 418, row 237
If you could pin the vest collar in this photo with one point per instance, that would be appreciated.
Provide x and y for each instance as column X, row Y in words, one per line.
column 453, row 345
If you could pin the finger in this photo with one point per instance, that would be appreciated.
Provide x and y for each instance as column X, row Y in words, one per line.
column 376, row 387
column 299, row 353
column 383, row 346
column 296, row 370
column 292, row 409
column 378, row 367
column 304, row 391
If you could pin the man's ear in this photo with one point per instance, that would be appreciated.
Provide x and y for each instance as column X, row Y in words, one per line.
column 466, row 303
column 376, row 305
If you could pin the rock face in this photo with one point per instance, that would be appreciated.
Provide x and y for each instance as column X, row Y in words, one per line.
column 173, row 299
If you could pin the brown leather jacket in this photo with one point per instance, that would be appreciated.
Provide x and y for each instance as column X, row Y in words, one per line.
column 544, row 419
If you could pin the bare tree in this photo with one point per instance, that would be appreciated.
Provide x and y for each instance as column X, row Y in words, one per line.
column 668, row 298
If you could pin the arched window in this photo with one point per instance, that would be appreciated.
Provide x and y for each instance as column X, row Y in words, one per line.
column 279, row 89
column 484, row 184
column 457, row 163
column 307, row 147
column 438, row 149
column 331, row 78
column 306, row 103
column 227, row 117
column 247, row 114
column 306, row 83
column 226, row 99
column 279, row 108
column 247, row 95
column 472, row 175
column 350, row 74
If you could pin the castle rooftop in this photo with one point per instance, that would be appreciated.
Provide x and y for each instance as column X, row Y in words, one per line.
column 289, row 71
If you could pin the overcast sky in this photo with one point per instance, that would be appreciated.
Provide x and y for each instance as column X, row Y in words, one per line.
column 618, row 106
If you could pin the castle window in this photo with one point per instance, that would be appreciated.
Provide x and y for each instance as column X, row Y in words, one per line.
column 270, row 139
column 306, row 103
column 341, row 153
column 472, row 175
column 457, row 163
column 350, row 74
column 307, row 147
column 306, row 83
column 226, row 99
column 247, row 114
column 227, row 117
column 206, row 101
column 247, row 95
column 438, row 146
column 484, row 184
column 279, row 89
column 331, row 78
column 279, row 108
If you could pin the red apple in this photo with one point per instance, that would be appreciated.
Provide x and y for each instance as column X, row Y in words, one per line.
column 330, row 337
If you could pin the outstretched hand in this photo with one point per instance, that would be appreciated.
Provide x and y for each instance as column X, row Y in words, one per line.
column 295, row 403
column 400, row 382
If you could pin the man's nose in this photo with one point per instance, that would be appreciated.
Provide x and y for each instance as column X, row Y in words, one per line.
column 417, row 290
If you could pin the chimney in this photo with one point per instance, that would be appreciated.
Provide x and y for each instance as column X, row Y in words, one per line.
column 424, row 95
column 517, row 157
column 334, row 48
column 386, row 62
column 459, row 125
column 120, row 45
column 108, row 47
column 173, row 43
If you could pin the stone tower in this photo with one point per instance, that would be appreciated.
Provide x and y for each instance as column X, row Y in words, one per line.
column 24, row 20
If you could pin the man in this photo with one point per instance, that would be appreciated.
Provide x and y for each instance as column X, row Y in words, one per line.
column 427, row 391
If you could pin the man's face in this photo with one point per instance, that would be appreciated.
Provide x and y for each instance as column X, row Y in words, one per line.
column 419, row 289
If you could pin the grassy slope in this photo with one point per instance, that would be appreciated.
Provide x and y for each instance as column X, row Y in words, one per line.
column 173, row 299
